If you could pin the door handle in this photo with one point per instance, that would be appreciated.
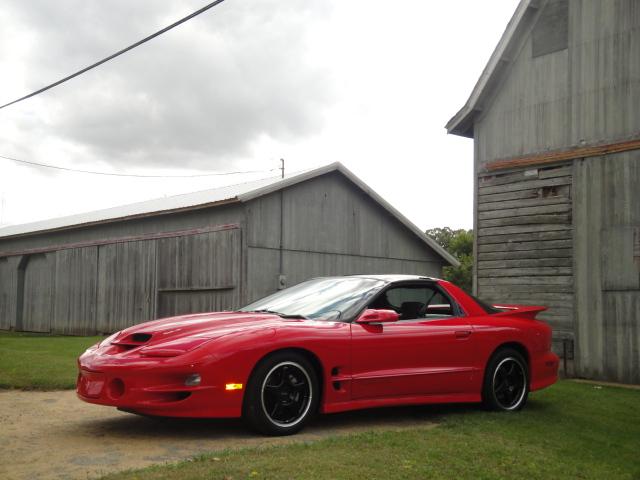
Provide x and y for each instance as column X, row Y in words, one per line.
column 463, row 333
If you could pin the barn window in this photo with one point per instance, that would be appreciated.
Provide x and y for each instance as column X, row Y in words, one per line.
column 551, row 32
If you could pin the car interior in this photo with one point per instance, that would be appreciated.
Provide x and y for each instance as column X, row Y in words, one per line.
column 415, row 302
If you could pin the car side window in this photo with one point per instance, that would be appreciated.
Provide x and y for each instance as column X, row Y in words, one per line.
column 415, row 302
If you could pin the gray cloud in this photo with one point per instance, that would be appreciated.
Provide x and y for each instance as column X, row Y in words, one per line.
column 197, row 96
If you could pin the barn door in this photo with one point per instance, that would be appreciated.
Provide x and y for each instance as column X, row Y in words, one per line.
column 199, row 273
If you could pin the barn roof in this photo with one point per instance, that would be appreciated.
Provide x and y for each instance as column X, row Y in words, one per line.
column 242, row 192
column 501, row 58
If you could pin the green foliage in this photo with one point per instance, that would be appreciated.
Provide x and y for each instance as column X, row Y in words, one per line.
column 570, row 430
column 40, row 362
column 458, row 243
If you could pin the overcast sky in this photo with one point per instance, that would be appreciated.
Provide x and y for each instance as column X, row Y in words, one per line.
column 367, row 83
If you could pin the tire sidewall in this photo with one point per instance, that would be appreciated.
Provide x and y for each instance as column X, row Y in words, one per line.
column 488, row 395
column 253, row 412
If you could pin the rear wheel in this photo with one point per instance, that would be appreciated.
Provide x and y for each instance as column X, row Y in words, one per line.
column 282, row 394
column 506, row 381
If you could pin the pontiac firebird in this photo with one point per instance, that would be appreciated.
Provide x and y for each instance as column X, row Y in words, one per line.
column 325, row 345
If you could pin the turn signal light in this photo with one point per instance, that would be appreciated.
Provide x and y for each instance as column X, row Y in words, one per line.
column 233, row 386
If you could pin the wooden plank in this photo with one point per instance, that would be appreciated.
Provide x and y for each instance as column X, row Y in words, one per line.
column 541, row 280
column 523, row 202
column 525, row 175
column 536, row 245
column 533, row 184
column 526, row 237
column 565, row 154
column 525, row 263
column 524, row 211
column 523, row 254
column 503, row 294
column 524, row 272
column 8, row 292
column 528, row 220
column 515, row 229
column 526, row 288
column 501, row 197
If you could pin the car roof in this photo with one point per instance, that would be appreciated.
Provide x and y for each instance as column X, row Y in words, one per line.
column 390, row 278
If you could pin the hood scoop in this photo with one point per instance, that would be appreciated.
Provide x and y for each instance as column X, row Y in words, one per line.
column 131, row 341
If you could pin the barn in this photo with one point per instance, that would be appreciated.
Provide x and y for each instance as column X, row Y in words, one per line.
column 217, row 249
column 556, row 129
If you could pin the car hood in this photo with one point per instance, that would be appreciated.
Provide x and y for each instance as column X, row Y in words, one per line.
column 205, row 326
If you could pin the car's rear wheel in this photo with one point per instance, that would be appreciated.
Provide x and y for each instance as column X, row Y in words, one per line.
column 282, row 394
column 506, row 381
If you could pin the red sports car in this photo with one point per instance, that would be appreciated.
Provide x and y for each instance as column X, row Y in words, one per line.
column 325, row 345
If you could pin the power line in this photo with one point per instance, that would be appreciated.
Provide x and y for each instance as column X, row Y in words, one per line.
column 110, row 174
column 118, row 53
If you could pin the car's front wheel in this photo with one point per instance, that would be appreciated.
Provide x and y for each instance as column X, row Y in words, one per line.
column 506, row 381
column 282, row 394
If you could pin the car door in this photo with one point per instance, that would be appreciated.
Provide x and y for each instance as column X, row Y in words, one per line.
column 428, row 351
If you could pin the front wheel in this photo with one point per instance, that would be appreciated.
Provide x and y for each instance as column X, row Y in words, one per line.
column 506, row 381
column 282, row 394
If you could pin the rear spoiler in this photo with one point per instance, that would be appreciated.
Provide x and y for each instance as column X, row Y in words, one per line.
column 522, row 311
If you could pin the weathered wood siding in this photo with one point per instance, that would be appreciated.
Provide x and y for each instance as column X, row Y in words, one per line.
column 75, row 291
column 607, row 267
column 203, row 273
column 8, row 291
column 585, row 93
column 525, row 242
column 126, row 284
column 39, row 293
column 330, row 227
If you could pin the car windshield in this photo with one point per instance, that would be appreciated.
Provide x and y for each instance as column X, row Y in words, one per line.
column 320, row 299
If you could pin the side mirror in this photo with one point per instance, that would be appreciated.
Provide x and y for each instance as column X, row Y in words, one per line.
column 378, row 316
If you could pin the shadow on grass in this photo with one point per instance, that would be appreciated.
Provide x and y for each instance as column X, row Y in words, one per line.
column 391, row 418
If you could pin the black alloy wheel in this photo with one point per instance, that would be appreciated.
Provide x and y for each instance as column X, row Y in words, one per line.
column 282, row 394
column 506, row 382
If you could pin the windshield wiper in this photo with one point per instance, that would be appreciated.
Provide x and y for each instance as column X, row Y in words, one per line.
column 282, row 315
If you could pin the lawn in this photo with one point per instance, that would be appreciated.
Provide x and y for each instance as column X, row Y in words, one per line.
column 571, row 430
column 40, row 362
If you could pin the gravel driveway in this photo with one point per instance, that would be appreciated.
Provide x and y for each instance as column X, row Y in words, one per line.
column 53, row 435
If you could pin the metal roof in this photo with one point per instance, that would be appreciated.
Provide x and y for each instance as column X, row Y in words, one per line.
column 242, row 192
column 503, row 55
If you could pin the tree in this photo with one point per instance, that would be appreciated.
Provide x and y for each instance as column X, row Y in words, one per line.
column 458, row 243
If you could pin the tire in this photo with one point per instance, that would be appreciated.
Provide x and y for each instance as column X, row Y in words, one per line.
column 506, row 381
column 282, row 394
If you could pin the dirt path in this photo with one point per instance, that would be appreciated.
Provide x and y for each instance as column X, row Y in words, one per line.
column 52, row 435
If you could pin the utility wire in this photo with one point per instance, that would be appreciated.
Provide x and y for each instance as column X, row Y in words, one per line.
column 117, row 54
column 217, row 174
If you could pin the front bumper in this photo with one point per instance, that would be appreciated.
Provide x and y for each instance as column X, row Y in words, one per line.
column 157, row 390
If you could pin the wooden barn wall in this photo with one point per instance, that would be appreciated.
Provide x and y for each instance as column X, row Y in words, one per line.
column 525, row 242
column 104, row 288
column 126, row 284
column 607, row 267
column 330, row 227
column 8, row 292
column 202, row 275
column 76, row 288
column 586, row 93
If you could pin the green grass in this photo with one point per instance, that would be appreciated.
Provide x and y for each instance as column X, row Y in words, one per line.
column 568, row 431
column 40, row 362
